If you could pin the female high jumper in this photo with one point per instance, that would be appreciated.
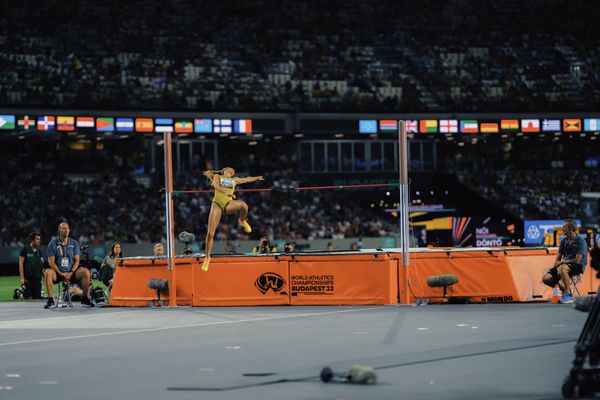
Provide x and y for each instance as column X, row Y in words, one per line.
column 224, row 202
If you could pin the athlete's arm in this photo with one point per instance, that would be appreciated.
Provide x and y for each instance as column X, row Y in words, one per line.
column 248, row 179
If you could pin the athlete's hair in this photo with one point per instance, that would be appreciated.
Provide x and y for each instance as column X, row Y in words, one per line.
column 211, row 174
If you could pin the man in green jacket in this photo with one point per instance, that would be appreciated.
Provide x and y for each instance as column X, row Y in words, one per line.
column 31, row 263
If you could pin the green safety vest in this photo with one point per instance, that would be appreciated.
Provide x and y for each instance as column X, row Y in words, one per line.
column 33, row 264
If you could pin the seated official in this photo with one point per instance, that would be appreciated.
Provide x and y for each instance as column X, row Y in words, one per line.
column 570, row 261
column 264, row 246
column 63, row 258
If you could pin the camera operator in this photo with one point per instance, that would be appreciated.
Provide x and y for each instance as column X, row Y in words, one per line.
column 264, row 246
column 31, row 264
column 289, row 247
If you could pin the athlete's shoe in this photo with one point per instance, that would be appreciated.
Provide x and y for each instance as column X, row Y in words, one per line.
column 205, row 264
column 566, row 298
column 246, row 226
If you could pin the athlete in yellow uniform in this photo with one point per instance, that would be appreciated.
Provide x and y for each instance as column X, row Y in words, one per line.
column 224, row 202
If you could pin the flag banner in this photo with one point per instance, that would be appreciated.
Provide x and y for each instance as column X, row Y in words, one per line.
column 222, row 126
column 591, row 124
column 509, row 125
column 412, row 126
column 105, row 124
column 144, row 125
column 551, row 125
column 85, row 122
column 572, row 125
column 448, row 126
column 184, row 127
column 530, row 125
column 428, row 126
column 203, row 125
column 26, row 122
column 65, row 123
column 125, row 124
column 367, row 126
column 489, row 127
column 388, row 126
column 45, row 123
column 163, row 125
column 469, row 126
column 7, row 122
column 242, row 126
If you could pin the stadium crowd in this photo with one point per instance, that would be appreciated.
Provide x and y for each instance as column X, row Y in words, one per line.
column 284, row 56
column 530, row 179
column 534, row 194
column 130, row 208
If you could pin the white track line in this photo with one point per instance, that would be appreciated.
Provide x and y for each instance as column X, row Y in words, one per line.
column 165, row 328
column 12, row 321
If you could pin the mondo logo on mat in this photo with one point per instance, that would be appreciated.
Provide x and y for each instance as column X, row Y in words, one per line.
column 270, row 280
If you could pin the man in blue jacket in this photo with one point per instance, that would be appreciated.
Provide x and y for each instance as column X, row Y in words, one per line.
column 63, row 257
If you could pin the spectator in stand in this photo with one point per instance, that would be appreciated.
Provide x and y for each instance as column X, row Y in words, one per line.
column 159, row 249
column 425, row 62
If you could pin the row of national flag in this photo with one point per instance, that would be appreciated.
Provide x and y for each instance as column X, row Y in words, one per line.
column 370, row 126
column 67, row 123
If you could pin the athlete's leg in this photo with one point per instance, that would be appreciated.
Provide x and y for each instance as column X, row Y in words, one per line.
column 241, row 207
column 213, row 221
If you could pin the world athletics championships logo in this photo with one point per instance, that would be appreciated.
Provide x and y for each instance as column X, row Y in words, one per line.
column 270, row 280
column 533, row 232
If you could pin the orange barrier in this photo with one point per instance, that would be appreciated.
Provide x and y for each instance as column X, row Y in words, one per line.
column 350, row 278
column 130, row 285
column 264, row 280
column 498, row 276
column 242, row 281
column 480, row 276
column 344, row 279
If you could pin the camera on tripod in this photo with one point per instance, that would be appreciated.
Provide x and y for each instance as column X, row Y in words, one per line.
column 92, row 265
column 187, row 239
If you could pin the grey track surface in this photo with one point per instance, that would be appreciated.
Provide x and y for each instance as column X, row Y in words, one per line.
column 491, row 351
